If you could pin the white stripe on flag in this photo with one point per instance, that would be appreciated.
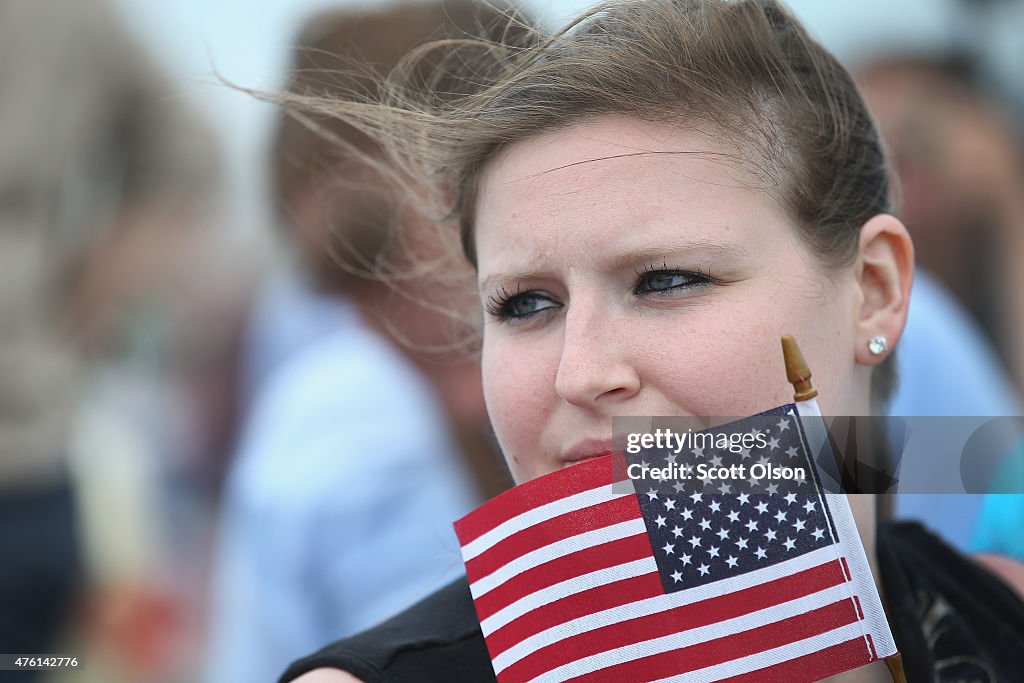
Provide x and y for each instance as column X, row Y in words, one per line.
column 660, row 603
column 839, row 508
column 577, row 501
column 561, row 548
column 778, row 655
column 702, row 634
column 563, row 589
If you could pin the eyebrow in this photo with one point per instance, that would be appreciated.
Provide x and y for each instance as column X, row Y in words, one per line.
column 630, row 257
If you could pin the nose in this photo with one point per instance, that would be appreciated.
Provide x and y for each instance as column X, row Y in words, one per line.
column 596, row 369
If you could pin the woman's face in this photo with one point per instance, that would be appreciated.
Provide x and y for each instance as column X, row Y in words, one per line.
column 632, row 269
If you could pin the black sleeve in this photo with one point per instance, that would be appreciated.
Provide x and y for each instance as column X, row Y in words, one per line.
column 951, row 618
column 438, row 639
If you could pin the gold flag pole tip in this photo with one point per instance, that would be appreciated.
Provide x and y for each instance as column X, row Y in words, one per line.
column 797, row 371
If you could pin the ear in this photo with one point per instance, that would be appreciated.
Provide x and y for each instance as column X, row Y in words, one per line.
column 885, row 272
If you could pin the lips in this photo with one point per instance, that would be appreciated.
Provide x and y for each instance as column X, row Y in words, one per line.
column 587, row 449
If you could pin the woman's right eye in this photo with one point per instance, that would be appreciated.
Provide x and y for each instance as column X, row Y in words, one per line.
column 519, row 306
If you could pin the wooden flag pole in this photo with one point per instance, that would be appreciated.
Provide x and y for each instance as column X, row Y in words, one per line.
column 799, row 375
column 895, row 664
column 797, row 372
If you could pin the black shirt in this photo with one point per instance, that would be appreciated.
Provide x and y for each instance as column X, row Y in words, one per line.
column 438, row 639
column 952, row 621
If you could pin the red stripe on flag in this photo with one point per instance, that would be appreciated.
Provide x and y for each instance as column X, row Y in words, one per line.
column 677, row 620
column 552, row 530
column 532, row 494
column 573, row 607
column 727, row 648
column 871, row 647
column 563, row 568
column 813, row 667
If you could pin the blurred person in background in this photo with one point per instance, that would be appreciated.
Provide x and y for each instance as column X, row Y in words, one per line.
column 103, row 177
column 941, row 333
column 960, row 159
column 364, row 434
column 960, row 162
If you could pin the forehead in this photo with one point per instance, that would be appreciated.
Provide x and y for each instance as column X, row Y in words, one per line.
column 618, row 182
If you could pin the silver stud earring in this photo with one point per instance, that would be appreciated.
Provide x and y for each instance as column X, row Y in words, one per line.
column 878, row 344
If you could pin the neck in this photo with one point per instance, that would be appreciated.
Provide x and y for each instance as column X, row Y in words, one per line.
column 864, row 514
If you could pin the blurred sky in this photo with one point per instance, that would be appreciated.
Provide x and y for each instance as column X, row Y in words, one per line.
column 248, row 43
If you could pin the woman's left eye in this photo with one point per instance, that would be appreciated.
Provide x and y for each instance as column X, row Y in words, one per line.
column 655, row 281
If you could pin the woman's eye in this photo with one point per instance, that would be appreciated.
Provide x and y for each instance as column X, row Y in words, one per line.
column 668, row 280
column 520, row 306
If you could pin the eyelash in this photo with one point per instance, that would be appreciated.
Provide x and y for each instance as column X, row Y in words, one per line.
column 499, row 305
column 695, row 278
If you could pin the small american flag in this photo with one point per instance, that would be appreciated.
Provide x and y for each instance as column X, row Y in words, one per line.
column 575, row 578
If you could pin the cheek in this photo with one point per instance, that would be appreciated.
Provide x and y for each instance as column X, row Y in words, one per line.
column 516, row 383
column 825, row 329
column 831, row 356
column 730, row 376
column 728, row 363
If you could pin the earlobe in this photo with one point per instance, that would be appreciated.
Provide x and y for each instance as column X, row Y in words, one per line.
column 885, row 271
